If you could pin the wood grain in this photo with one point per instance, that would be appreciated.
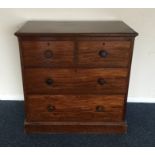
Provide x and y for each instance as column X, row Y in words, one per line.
column 34, row 53
column 104, row 44
column 117, row 53
column 74, row 108
column 76, row 127
column 75, row 81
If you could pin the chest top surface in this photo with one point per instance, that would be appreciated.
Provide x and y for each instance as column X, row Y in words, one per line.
column 74, row 28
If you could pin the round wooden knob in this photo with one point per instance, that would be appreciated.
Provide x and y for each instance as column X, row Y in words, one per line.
column 101, row 81
column 99, row 109
column 51, row 108
column 49, row 81
column 103, row 53
column 48, row 54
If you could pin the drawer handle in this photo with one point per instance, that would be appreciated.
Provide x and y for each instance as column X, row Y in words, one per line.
column 51, row 108
column 101, row 81
column 48, row 54
column 103, row 53
column 49, row 81
column 99, row 109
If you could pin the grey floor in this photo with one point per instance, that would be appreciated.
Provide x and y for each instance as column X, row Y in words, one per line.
column 141, row 129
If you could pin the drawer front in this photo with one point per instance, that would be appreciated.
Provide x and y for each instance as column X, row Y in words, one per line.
column 74, row 108
column 104, row 53
column 47, row 53
column 76, row 81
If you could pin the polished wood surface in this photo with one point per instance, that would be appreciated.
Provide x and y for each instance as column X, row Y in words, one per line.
column 62, row 53
column 48, row 53
column 76, row 127
column 105, row 53
column 93, row 28
column 75, row 75
column 76, row 81
column 107, row 45
column 75, row 108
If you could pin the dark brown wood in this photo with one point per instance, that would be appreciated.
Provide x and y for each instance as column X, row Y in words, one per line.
column 35, row 53
column 68, row 28
column 74, row 127
column 75, row 75
column 117, row 53
column 78, row 108
column 107, row 45
column 128, row 77
column 75, row 38
column 75, row 81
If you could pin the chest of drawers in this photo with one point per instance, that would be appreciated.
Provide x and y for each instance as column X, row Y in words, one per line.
column 75, row 75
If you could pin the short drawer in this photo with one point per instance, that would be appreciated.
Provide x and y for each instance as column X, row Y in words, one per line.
column 104, row 53
column 76, row 81
column 74, row 108
column 47, row 53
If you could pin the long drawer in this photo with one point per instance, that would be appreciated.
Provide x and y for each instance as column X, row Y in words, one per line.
column 75, row 81
column 74, row 108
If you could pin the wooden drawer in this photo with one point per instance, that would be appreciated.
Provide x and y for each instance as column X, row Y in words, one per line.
column 74, row 108
column 47, row 53
column 104, row 53
column 76, row 81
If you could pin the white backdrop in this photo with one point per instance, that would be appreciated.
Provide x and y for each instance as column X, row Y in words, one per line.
column 142, row 83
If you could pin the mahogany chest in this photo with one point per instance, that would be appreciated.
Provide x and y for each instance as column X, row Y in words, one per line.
column 75, row 75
